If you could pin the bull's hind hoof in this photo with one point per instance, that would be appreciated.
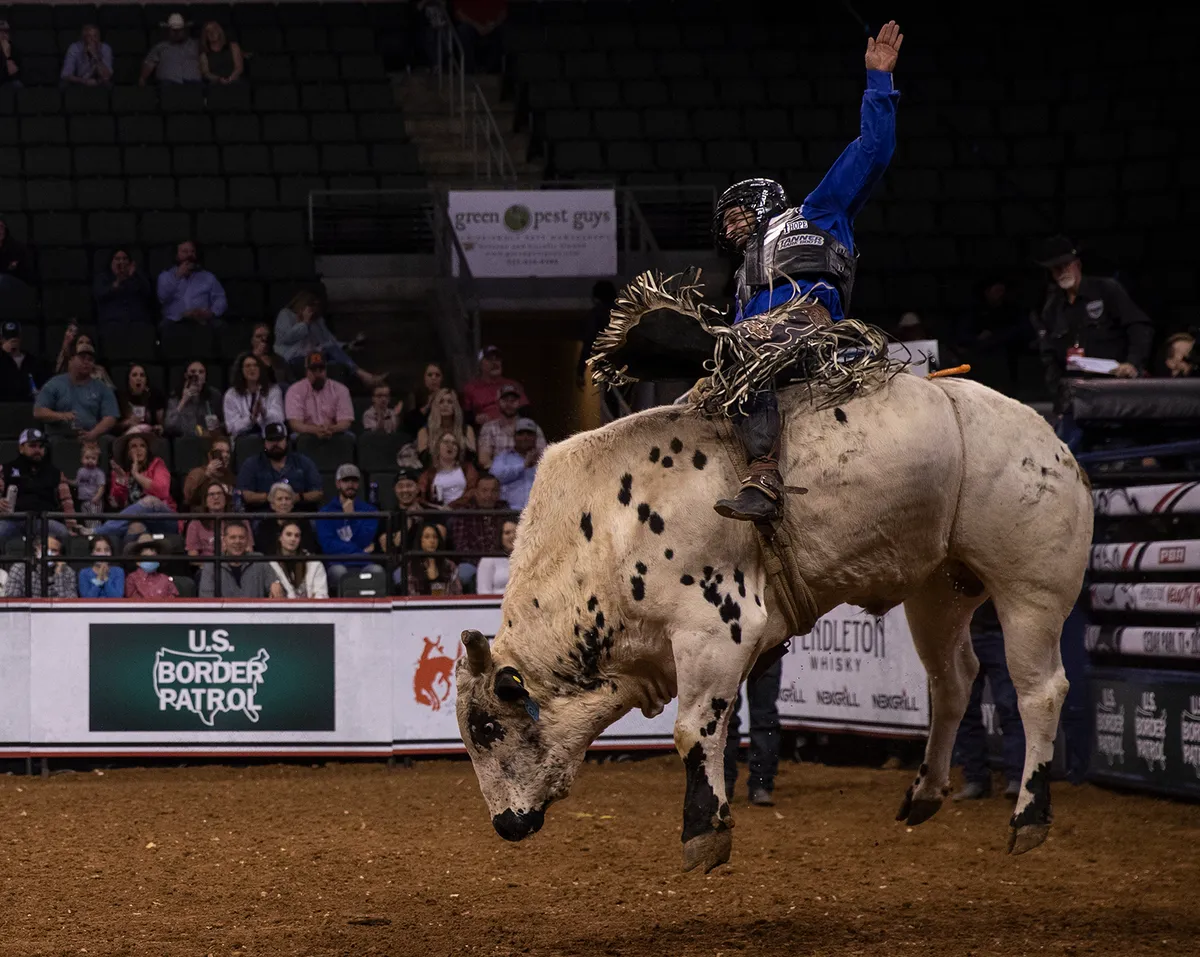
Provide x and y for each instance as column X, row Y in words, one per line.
column 1026, row 837
column 914, row 811
column 905, row 805
column 709, row 850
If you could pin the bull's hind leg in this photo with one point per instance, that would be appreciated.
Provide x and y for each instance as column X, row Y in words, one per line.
column 1032, row 630
column 939, row 616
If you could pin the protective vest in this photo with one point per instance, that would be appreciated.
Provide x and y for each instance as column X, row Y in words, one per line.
column 791, row 245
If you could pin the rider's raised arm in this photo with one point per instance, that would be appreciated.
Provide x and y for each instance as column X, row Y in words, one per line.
column 849, row 181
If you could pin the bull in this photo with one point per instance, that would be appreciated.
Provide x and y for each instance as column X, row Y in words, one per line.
column 628, row 590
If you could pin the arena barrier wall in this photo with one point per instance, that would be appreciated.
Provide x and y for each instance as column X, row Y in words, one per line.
column 346, row 678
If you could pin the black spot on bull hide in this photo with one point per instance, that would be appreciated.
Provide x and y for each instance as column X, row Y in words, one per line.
column 700, row 805
column 718, row 706
column 485, row 729
column 739, row 579
column 643, row 512
column 699, row 459
column 668, row 462
column 625, row 496
column 639, row 585
column 654, row 453
column 668, row 554
column 1037, row 812
column 585, row 525
column 686, row 580
column 646, row 514
column 676, row 446
column 839, row 415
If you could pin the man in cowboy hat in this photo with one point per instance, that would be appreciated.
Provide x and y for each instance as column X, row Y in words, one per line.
column 176, row 59
column 1087, row 316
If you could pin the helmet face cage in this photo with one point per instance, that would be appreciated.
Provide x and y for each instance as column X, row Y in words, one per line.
column 756, row 199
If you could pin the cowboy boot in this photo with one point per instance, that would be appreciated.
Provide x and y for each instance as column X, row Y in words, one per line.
column 760, row 498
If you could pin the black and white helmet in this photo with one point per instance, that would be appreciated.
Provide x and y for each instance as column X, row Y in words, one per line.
column 760, row 199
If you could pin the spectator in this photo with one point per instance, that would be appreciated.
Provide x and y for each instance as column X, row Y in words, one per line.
column 61, row 584
column 300, row 331
column 317, row 405
column 1087, row 316
column 99, row 373
column 476, row 533
column 189, row 291
column 263, row 349
column 239, row 578
column 479, row 24
column 146, row 582
column 122, row 293
column 353, row 538
column 88, row 62
column 496, row 435
column 90, row 480
column 140, row 485
column 432, row 575
column 276, row 464
column 40, row 485
column 21, row 374
column 198, row 408
column 251, row 403
column 517, row 467
column 16, row 265
column 1180, row 355
column 417, row 415
column 988, row 642
column 215, row 469
column 8, row 59
column 174, row 60
column 408, row 499
column 449, row 477
column 911, row 328
column 201, row 534
column 445, row 417
column 102, row 579
column 76, row 401
column 493, row 572
column 67, row 348
column 382, row 416
column 282, row 499
column 220, row 60
column 141, row 408
column 297, row 577
column 481, row 396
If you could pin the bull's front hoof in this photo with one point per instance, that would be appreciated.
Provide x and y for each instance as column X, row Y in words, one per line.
column 905, row 805
column 1026, row 837
column 922, row 810
column 710, row 849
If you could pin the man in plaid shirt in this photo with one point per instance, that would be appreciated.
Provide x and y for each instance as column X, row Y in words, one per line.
column 477, row 533
column 496, row 435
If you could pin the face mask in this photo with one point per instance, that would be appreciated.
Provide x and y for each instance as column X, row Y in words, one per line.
column 148, row 567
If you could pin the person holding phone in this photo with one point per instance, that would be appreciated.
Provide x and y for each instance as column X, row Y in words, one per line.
column 189, row 291
column 198, row 409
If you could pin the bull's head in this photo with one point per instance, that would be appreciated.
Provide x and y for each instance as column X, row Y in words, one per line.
column 525, row 752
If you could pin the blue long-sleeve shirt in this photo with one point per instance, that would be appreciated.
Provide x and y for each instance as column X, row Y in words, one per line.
column 113, row 587
column 516, row 478
column 200, row 290
column 349, row 536
column 840, row 196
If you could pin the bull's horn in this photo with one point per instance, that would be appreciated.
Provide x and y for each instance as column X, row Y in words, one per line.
column 479, row 653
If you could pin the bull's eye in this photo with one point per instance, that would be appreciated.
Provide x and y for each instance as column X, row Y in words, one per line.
column 489, row 727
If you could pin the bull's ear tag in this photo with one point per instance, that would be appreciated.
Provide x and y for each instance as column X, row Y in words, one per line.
column 532, row 707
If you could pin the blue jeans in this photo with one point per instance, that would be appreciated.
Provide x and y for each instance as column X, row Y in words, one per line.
column 763, row 760
column 16, row 526
column 971, row 742
column 466, row 574
column 116, row 527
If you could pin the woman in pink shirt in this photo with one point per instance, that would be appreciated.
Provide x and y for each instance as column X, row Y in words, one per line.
column 146, row 582
column 140, row 486
column 202, row 532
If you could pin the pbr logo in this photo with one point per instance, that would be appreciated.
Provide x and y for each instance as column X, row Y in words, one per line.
column 207, row 684
column 1110, row 727
column 1150, row 732
column 1172, row 555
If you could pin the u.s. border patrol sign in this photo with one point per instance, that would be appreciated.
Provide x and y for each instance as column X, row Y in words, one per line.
column 194, row 677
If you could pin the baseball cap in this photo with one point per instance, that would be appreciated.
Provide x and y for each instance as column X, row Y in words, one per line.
column 1056, row 251
column 10, row 330
column 413, row 475
column 175, row 22
column 32, row 435
column 525, row 425
column 85, row 351
column 489, row 352
column 315, row 359
column 509, row 389
column 349, row 470
column 275, row 431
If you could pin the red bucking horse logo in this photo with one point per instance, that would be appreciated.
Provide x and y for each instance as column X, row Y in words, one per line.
column 432, row 679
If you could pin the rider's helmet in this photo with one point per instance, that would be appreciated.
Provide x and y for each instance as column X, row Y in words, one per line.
column 742, row 207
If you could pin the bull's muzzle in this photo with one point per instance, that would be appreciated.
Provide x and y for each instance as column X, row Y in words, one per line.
column 518, row 825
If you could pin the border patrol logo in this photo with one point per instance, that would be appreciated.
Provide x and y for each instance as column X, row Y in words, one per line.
column 1095, row 308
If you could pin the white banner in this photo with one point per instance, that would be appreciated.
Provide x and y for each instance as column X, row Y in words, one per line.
column 1140, row 640
column 1179, row 556
column 918, row 354
column 1148, row 499
column 515, row 234
column 1181, row 598
column 854, row 671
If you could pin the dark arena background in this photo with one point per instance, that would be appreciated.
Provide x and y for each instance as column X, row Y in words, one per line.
column 293, row 296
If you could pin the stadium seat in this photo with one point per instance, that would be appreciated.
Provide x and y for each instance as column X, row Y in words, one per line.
column 252, row 192
column 68, row 300
column 58, row 265
column 47, row 161
column 185, row 584
column 202, row 192
column 276, row 98
column 189, row 452
column 359, row 583
column 235, row 98
column 284, row 128
column 377, row 451
column 132, row 342
column 196, row 160
column 108, row 193
column 246, row 447
column 50, row 194
column 186, row 341
column 15, row 416
column 329, row 453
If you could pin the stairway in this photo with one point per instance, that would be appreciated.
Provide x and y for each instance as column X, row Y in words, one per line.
column 444, row 156
column 401, row 337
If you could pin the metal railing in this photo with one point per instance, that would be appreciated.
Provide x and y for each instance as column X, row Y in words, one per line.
column 38, row 532
column 466, row 102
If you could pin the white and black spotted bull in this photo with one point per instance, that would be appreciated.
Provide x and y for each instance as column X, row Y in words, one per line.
column 627, row 589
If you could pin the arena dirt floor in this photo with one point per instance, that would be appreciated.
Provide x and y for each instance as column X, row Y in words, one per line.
column 358, row 859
